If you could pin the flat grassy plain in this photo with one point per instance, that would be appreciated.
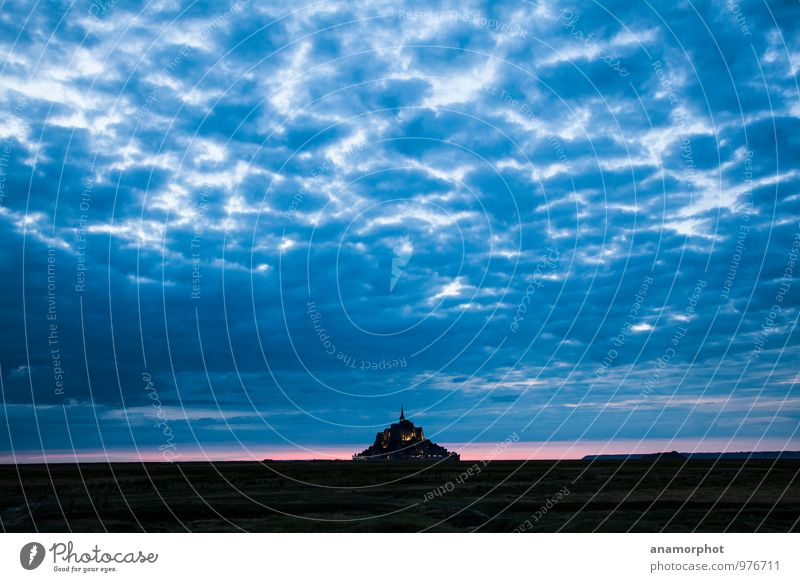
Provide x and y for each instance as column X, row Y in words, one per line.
column 608, row 496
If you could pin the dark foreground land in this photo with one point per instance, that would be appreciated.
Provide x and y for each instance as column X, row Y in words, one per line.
column 610, row 496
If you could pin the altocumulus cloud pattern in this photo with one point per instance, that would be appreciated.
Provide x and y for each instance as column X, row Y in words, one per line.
column 256, row 229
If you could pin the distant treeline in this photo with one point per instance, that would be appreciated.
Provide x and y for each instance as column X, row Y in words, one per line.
column 675, row 455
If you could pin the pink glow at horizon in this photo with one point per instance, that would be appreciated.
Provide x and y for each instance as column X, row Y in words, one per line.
column 521, row 450
column 571, row 450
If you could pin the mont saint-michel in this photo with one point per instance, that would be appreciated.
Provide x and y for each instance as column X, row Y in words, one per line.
column 403, row 441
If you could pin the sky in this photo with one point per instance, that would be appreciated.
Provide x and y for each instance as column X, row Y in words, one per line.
column 255, row 230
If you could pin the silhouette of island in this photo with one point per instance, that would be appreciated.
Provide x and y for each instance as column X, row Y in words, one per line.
column 402, row 441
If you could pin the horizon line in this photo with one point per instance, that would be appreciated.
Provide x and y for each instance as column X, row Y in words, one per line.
column 492, row 451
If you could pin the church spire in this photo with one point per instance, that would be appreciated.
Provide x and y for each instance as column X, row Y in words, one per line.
column 402, row 415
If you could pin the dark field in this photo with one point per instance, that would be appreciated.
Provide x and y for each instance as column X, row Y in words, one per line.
column 610, row 496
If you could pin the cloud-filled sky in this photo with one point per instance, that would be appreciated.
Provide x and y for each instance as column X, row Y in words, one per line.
column 256, row 229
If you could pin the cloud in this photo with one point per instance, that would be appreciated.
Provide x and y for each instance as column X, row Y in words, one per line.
column 204, row 175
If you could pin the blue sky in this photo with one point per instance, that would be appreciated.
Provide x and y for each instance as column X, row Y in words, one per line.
column 252, row 229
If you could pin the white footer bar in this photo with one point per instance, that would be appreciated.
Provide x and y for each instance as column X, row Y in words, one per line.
column 376, row 557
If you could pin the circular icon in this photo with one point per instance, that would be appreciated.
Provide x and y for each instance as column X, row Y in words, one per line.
column 31, row 555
